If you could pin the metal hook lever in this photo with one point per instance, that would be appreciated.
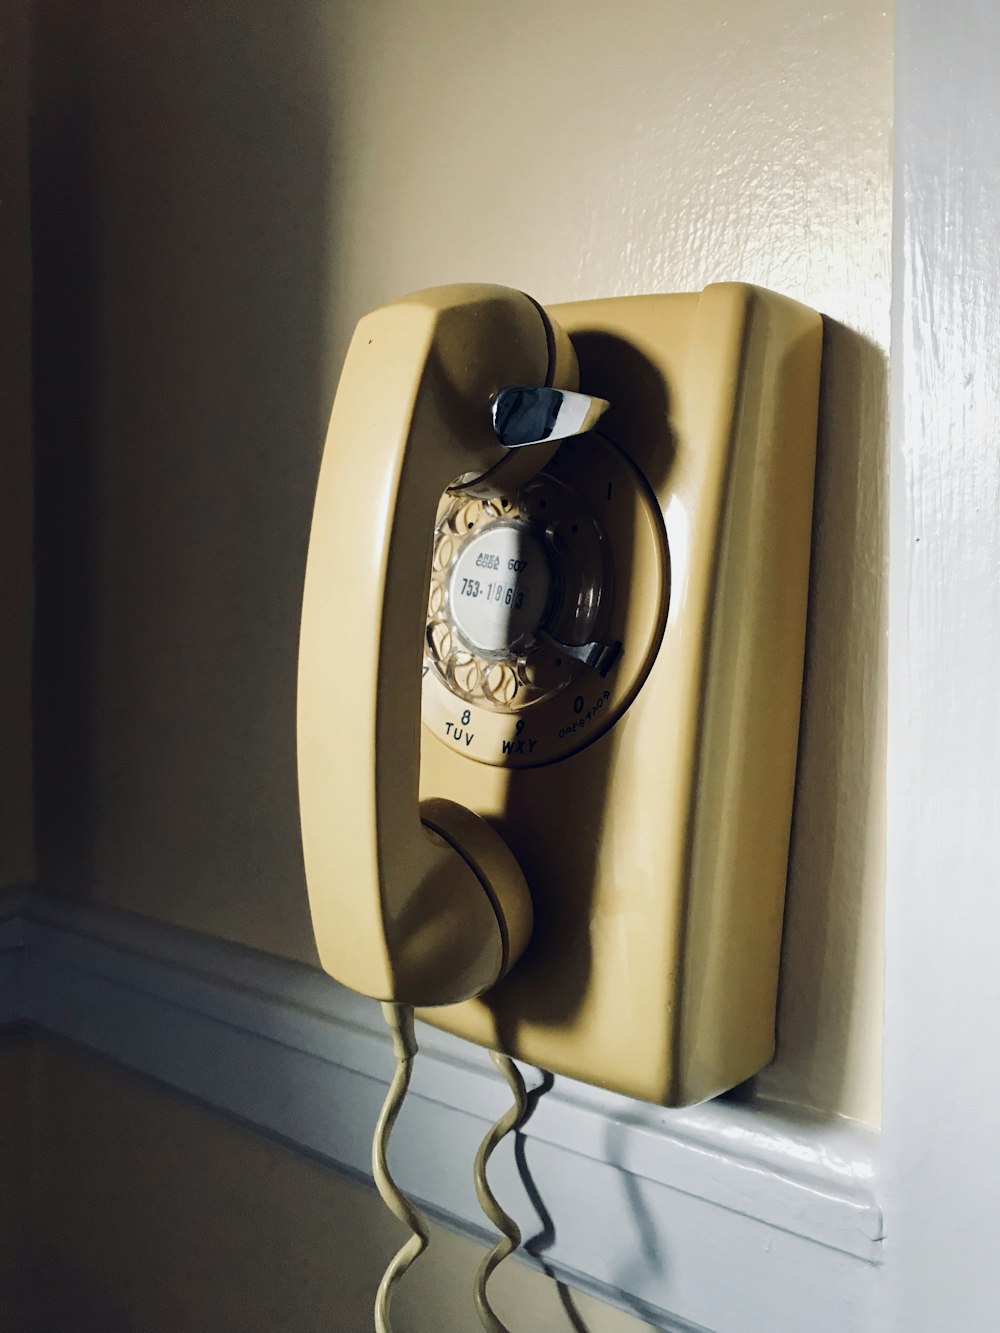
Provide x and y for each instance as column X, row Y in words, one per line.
column 523, row 415
column 601, row 656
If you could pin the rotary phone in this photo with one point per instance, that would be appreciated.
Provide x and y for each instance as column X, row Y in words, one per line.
column 550, row 673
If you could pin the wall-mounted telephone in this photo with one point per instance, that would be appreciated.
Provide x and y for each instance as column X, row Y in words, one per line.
column 550, row 675
column 549, row 685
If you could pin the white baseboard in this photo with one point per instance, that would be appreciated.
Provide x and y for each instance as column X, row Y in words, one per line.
column 728, row 1216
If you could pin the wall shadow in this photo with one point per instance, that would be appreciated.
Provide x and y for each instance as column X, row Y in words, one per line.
column 16, row 464
column 63, row 319
column 649, row 1253
column 184, row 189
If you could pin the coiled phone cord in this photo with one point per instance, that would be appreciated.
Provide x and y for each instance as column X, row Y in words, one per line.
column 504, row 1223
column 399, row 1019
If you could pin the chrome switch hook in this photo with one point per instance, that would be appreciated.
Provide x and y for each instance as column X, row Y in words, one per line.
column 523, row 415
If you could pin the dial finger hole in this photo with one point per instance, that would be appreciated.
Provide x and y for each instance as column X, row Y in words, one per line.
column 440, row 639
column 444, row 552
column 501, row 683
column 465, row 672
column 469, row 515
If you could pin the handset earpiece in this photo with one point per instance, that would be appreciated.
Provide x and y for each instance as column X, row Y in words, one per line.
column 415, row 903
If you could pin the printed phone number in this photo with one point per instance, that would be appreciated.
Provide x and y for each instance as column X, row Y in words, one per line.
column 504, row 593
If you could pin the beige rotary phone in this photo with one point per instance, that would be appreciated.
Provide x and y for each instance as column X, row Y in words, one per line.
column 549, row 683
column 550, row 675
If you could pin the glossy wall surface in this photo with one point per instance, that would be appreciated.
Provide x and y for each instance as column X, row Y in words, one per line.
column 219, row 193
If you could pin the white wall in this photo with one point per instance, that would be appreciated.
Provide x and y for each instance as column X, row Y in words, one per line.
column 943, row 919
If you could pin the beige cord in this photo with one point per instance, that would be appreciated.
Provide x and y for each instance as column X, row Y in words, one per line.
column 399, row 1018
column 511, row 1238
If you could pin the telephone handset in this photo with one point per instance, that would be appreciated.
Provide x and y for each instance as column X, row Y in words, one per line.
column 536, row 653
column 422, row 904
